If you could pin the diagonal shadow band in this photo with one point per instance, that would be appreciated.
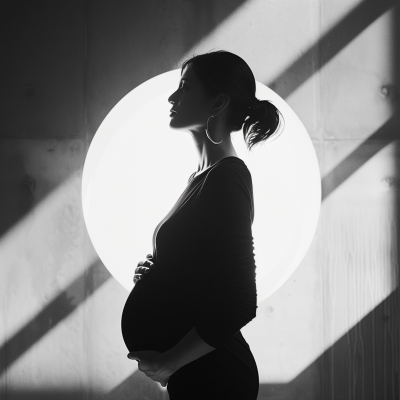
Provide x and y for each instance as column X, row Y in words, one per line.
column 387, row 133
column 329, row 45
column 347, row 360
column 342, row 369
column 51, row 315
column 288, row 81
column 61, row 306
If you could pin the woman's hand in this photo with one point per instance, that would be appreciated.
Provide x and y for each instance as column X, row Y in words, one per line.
column 153, row 364
column 143, row 268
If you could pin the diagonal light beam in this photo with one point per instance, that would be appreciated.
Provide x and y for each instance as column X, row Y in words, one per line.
column 61, row 306
column 377, row 141
column 297, row 74
column 300, row 71
column 57, row 310
column 329, row 45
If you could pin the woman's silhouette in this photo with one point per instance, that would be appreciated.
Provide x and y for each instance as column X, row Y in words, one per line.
column 182, row 320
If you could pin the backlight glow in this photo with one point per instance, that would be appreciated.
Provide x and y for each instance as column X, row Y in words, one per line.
column 137, row 167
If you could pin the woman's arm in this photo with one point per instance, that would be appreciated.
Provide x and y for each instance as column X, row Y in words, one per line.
column 190, row 348
column 225, row 292
column 160, row 366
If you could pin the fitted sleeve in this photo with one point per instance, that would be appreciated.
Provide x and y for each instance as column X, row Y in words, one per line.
column 226, row 296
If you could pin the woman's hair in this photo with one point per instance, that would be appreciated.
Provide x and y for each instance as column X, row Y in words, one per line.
column 227, row 73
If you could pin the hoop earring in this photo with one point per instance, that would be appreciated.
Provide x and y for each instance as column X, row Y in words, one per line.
column 208, row 135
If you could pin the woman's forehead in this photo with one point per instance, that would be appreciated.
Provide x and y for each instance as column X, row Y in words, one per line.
column 189, row 73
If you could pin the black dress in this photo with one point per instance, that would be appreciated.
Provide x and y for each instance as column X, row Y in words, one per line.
column 204, row 277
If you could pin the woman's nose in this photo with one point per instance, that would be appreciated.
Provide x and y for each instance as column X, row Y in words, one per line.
column 171, row 99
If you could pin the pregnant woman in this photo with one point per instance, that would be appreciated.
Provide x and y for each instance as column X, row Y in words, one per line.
column 182, row 320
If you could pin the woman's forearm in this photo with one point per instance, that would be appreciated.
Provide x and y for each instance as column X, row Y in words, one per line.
column 190, row 348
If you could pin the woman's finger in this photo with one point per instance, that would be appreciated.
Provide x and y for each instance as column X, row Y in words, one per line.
column 146, row 264
column 140, row 270
column 139, row 276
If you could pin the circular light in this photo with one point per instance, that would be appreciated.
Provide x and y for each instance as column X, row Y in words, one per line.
column 137, row 167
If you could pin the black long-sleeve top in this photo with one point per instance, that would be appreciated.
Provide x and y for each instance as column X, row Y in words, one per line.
column 204, row 269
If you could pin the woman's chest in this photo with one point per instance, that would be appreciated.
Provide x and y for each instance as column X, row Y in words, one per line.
column 179, row 233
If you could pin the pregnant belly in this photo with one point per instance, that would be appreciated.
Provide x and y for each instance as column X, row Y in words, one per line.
column 156, row 314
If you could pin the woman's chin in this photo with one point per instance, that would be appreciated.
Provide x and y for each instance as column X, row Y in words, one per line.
column 173, row 125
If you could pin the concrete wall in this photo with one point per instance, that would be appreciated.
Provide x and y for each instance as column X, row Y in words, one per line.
column 332, row 331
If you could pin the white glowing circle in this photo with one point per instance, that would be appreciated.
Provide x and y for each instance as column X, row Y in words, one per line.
column 137, row 167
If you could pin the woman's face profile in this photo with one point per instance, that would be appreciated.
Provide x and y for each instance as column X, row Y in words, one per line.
column 191, row 104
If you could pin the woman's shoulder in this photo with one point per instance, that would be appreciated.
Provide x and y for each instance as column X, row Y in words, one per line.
column 231, row 176
column 229, row 167
column 228, row 185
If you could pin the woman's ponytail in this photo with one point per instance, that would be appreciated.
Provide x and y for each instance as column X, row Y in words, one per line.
column 263, row 121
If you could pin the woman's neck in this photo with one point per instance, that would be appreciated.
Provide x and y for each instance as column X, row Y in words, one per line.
column 210, row 153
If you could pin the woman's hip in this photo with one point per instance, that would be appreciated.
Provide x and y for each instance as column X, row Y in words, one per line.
column 226, row 372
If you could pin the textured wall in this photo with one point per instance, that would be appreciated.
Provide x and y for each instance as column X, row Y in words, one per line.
column 332, row 331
